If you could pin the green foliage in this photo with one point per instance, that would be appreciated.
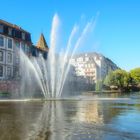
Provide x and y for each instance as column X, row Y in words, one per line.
column 118, row 78
column 108, row 81
column 98, row 86
column 123, row 80
column 135, row 75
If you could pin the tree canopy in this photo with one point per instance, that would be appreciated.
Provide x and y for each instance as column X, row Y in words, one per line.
column 119, row 78
column 135, row 74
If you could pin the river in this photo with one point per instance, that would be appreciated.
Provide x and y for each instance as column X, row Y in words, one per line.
column 100, row 117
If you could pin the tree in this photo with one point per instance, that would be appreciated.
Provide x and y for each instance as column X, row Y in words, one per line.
column 119, row 78
column 98, row 86
column 109, row 79
column 135, row 75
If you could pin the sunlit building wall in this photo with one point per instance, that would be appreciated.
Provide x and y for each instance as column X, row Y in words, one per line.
column 93, row 66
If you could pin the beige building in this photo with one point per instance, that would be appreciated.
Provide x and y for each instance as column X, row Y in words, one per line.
column 93, row 66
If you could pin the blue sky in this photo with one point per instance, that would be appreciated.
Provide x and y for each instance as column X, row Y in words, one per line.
column 116, row 34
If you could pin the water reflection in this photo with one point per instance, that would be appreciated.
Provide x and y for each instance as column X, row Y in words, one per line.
column 90, row 112
column 69, row 120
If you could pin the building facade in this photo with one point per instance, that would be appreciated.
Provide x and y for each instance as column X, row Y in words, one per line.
column 12, row 39
column 92, row 66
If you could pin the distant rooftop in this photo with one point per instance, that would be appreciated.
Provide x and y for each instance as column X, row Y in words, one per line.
column 89, row 54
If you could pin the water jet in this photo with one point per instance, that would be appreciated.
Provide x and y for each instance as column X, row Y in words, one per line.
column 53, row 76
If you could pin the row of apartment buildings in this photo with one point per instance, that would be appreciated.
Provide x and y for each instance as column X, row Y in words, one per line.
column 12, row 39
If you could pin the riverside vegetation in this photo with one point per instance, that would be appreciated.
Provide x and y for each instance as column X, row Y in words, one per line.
column 121, row 80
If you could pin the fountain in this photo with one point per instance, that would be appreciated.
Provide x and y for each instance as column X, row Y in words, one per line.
column 51, row 75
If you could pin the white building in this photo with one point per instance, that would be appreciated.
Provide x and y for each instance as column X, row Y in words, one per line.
column 12, row 39
column 93, row 66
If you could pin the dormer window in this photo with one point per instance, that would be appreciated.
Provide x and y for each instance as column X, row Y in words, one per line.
column 10, row 31
column 23, row 36
column 1, row 28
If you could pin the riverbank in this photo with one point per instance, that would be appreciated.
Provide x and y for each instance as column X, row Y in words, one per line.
column 98, row 92
column 107, row 92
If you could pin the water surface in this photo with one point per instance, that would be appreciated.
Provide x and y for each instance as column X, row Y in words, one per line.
column 110, row 119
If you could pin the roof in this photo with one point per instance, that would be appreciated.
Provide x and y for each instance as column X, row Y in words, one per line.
column 41, row 44
column 91, row 56
column 12, row 25
column 88, row 54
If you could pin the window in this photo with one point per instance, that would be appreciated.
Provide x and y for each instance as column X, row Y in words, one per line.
column 26, row 48
column 17, row 34
column 86, row 59
column 1, row 41
column 10, row 43
column 16, row 72
column 23, row 46
column 1, row 28
column 17, row 59
column 80, row 59
column 10, row 31
column 1, row 71
column 23, row 36
column 1, row 55
column 17, row 44
column 9, row 71
column 27, row 37
column 9, row 57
